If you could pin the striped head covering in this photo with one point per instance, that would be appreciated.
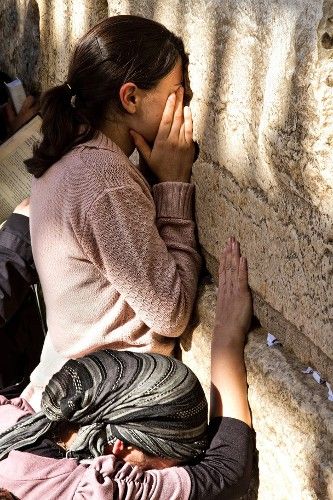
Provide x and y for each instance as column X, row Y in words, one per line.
column 151, row 401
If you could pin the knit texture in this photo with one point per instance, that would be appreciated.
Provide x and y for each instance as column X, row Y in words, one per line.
column 117, row 260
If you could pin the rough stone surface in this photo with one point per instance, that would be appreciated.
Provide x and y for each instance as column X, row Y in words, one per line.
column 261, row 73
column 292, row 416
column 20, row 41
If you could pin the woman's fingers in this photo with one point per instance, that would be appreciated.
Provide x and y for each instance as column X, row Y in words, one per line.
column 188, row 125
column 141, row 145
column 228, row 267
column 23, row 208
column 243, row 275
column 235, row 262
column 178, row 117
column 232, row 265
column 222, row 276
column 167, row 118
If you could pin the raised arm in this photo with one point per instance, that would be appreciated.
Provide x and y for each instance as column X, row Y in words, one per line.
column 225, row 471
column 232, row 322
column 147, row 248
column 148, row 251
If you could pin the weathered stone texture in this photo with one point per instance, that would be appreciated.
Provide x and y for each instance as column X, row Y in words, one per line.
column 63, row 22
column 265, row 173
column 261, row 73
column 20, row 41
column 292, row 417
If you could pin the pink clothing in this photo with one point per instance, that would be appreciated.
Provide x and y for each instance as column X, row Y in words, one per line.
column 31, row 476
column 117, row 260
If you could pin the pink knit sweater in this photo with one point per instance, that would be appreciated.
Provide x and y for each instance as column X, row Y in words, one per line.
column 117, row 260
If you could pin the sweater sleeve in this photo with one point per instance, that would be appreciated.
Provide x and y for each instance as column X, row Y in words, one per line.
column 104, row 479
column 12, row 410
column 17, row 269
column 147, row 251
column 225, row 470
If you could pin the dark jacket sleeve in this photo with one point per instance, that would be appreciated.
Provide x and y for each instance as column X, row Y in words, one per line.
column 17, row 269
column 225, row 470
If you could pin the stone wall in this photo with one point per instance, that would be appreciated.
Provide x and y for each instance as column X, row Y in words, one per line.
column 262, row 76
column 291, row 415
column 20, row 41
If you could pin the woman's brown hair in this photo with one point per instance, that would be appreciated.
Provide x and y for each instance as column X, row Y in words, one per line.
column 117, row 50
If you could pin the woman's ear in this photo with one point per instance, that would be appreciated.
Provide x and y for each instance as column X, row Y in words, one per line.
column 118, row 448
column 129, row 97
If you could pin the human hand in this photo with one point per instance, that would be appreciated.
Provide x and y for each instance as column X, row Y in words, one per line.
column 234, row 300
column 23, row 208
column 172, row 154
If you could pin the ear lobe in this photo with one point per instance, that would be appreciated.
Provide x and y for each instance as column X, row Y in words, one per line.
column 118, row 448
column 127, row 96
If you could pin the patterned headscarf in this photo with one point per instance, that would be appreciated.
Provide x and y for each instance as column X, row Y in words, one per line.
column 151, row 401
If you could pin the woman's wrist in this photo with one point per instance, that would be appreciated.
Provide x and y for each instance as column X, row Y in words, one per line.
column 228, row 338
column 180, row 177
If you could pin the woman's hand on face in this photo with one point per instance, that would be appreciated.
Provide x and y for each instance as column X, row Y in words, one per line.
column 234, row 300
column 171, row 157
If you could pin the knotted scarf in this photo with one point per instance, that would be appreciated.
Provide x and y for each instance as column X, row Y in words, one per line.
column 151, row 401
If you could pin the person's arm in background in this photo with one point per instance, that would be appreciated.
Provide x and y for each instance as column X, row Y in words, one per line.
column 17, row 269
column 225, row 470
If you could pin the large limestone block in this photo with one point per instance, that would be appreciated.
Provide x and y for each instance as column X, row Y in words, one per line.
column 265, row 173
column 292, row 416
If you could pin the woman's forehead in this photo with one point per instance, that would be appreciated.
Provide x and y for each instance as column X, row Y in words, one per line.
column 175, row 77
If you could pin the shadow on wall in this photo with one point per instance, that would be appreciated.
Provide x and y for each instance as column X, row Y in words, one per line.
column 20, row 42
column 9, row 22
column 28, row 52
column 62, row 23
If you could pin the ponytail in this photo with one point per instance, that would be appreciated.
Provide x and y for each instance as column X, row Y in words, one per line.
column 63, row 127
column 117, row 50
